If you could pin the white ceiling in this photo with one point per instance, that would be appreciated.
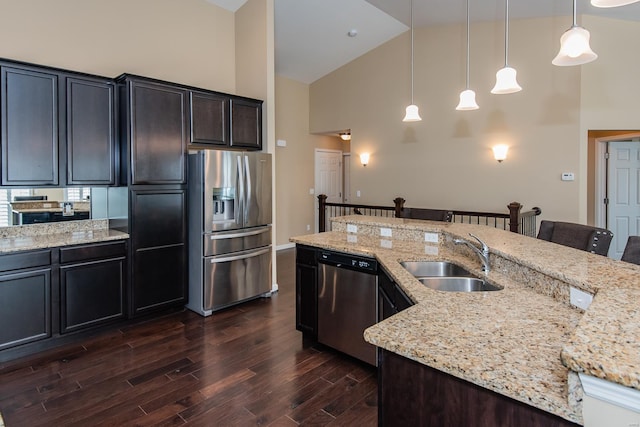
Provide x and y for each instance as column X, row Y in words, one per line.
column 311, row 35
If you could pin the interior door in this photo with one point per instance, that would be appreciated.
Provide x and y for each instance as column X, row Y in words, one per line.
column 328, row 176
column 623, row 209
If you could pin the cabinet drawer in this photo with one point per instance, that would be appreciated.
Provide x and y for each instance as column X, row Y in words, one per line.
column 94, row 251
column 25, row 260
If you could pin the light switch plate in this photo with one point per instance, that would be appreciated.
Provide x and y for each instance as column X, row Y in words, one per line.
column 281, row 143
column 568, row 176
column 384, row 243
column 352, row 228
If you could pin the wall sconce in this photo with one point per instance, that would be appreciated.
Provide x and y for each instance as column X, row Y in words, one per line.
column 500, row 152
column 364, row 159
column 345, row 136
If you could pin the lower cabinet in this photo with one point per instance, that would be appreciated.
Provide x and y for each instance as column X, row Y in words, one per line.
column 46, row 295
column 413, row 394
column 159, row 278
column 391, row 299
column 307, row 291
column 92, row 286
column 25, row 307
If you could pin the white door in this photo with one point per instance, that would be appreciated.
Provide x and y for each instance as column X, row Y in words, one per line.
column 328, row 176
column 623, row 185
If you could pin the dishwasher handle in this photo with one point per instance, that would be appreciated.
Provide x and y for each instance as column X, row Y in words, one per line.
column 352, row 262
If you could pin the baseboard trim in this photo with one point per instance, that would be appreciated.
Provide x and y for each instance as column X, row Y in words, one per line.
column 285, row 246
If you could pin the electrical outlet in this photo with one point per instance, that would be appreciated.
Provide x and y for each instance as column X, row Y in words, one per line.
column 384, row 243
column 579, row 298
column 431, row 237
column 308, row 227
column 352, row 228
column 357, row 193
column 385, row 232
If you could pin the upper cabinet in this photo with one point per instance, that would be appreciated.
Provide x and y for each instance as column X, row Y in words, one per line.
column 155, row 131
column 29, row 127
column 246, row 123
column 209, row 118
column 58, row 128
column 91, row 133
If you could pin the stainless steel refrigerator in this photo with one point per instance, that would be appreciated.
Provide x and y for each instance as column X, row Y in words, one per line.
column 229, row 228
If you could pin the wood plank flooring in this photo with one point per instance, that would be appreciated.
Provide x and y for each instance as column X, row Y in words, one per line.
column 240, row 367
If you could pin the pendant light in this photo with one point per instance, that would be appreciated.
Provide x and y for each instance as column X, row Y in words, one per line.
column 467, row 96
column 412, row 114
column 612, row 3
column 506, row 77
column 574, row 46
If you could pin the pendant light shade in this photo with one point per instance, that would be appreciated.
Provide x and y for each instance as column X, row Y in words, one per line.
column 574, row 46
column 467, row 101
column 506, row 82
column 412, row 114
column 612, row 3
column 467, row 96
column 506, row 77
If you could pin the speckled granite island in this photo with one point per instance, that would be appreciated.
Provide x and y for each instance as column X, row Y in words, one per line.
column 526, row 341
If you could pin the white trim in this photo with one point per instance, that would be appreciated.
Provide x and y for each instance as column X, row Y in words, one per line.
column 285, row 246
column 601, row 184
column 615, row 394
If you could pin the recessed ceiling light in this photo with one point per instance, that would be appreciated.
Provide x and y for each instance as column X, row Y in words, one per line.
column 352, row 33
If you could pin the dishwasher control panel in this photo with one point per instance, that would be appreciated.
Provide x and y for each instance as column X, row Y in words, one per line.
column 349, row 261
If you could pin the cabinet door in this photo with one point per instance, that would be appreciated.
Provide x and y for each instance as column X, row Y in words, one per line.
column 29, row 111
column 159, row 278
column 92, row 293
column 246, row 124
column 90, row 132
column 158, row 218
column 25, row 307
column 158, row 134
column 209, row 118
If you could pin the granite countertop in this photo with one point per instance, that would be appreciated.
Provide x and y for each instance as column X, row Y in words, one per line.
column 538, row 341
column 36, row 210
column 56, row 234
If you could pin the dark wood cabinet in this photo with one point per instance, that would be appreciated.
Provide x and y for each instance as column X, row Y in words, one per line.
column 156, row 131
column 413, row 394
column 93, row 282
column 391, row 298
column 307, row 291
column 29, row 125
column 246, row 123
column 159, row 252
column 90, row 131
column 209, row 118
column 25, row 298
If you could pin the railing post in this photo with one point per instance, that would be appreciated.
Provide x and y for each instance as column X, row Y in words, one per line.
column 514, row 216
column 399, row 205
column 322, row 212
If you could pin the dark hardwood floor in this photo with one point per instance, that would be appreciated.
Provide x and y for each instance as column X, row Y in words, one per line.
column 243, row 366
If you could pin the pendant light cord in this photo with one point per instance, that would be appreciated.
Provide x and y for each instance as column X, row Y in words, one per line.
column 574, row 15
column 467, row 44
column 506, row 32
column 411, row 52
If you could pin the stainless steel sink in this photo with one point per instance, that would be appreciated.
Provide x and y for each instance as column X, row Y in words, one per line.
column 421, row 269
column 458, row 284
column 447, row 276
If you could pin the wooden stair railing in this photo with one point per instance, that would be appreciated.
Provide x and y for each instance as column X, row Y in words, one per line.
column 515, row 221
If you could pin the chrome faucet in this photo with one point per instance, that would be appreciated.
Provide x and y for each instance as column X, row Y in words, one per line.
column 482, row 253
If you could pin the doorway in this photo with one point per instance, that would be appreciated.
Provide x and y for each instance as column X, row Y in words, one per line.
column 328, row 176
column 617, row 192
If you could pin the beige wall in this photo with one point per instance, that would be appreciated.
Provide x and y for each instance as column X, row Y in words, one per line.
column 295, row 162
column 445, row 161
column 190, row 41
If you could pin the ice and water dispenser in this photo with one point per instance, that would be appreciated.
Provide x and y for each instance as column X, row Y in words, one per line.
column 223, row 203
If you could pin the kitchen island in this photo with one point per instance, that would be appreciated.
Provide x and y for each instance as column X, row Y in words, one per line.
column 526, row 342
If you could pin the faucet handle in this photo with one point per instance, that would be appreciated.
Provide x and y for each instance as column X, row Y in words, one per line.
column 485, row 248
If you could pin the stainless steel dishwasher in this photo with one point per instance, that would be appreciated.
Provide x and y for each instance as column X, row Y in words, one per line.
column 347, row 303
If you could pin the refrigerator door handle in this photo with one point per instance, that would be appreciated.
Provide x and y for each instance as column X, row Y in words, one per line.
column 240, row 185
column 219, row 236
column 245, row 255
column 248, row 189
